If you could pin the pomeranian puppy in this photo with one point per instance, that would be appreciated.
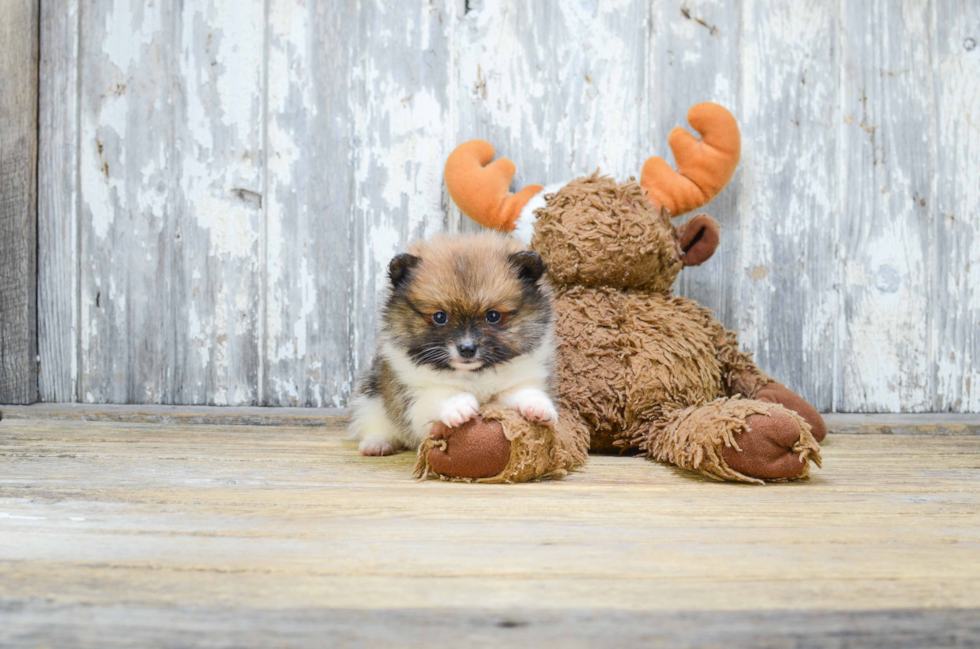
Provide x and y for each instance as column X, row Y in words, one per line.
column 467, row 320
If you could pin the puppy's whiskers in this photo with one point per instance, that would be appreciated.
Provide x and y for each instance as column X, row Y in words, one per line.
column 434, row 354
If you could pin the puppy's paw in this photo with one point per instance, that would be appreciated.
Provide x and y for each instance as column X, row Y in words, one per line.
column 459, row 409
column 377, row 445
column 535, row 406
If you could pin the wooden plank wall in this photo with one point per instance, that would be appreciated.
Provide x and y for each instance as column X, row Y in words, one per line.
column 18, row 200
column 223, row 183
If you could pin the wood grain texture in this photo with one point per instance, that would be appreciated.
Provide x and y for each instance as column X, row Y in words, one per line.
column 222, row 192
column 18, row 200
column 210, row 415
column 955, row 212
column 787, row 300
column 400, row 107
column 559, row 88
column 695, row 57
column 886, row 188
column 57, row 208
column 216, row 62
column 308, row 249
column 837, row 423
column 45, row 623
column 191, row 524
column 128, row 170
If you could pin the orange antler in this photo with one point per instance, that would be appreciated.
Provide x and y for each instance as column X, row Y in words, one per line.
column 480, row 188
column 705, row 165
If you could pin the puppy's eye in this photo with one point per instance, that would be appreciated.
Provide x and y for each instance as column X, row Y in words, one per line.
column 493, row 317
column 439, row 318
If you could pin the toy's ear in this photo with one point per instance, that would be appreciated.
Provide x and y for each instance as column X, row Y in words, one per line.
column 698, row 238
column 530, row 266
column 400, row 266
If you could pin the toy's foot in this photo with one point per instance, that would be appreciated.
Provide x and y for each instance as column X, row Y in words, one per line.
column 779, row 393
column 477, row 449
column 768, row 448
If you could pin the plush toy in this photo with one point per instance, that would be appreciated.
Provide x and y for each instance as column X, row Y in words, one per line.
column 639, row 369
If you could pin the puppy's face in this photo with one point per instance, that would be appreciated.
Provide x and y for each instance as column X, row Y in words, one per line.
column 467, row 303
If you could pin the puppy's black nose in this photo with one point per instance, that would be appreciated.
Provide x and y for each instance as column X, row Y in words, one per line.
column 466, row 350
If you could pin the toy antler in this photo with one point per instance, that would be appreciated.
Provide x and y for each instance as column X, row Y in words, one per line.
column 481, row 189
column 705, row 165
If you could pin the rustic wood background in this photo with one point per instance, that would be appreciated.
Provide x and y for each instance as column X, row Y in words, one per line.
column 221, row 183
column 18, row 200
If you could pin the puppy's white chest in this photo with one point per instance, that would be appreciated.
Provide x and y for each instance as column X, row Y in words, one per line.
column 530, row 370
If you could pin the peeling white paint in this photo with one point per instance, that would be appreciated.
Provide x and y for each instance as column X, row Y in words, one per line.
column 205, row 220
column 128, row 27
column 104, row 163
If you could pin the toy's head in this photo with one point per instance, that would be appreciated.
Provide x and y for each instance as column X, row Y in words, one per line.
column 594, row 231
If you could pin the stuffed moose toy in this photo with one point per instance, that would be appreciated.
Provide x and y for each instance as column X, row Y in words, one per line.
column 639, row 370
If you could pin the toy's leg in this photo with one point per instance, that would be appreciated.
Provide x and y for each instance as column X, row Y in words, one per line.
column 502, row 446
column 742, row 377
column 743, row 440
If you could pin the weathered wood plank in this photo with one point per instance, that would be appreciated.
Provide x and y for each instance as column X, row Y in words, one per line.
column 694, row 57
column 171, row 181
column 184, row 415
column 128, row 169
column 18, row 200
column 309, row 250
column 559, row 88
column 400, row 104
column 787, row 299
column 837, row 423
column 218, row 117
column 45, row 623
column 57, row 209
column 886, row 187
column 903, row 424
column 955, row 211
column 205, row 280
column 143, row 515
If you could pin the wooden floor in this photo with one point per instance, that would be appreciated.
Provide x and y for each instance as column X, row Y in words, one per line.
column 127, row 533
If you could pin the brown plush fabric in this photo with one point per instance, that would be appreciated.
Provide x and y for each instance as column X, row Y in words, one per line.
column 477, row 449
column 631, row 355
column 536, row 451
column 779, row 393
column 639, row 369
column 696, row 437
column 698, row 238
column 771, row 447
column 622, row 356
column 592, row 221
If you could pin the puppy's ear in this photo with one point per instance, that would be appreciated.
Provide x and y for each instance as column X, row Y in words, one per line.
column 530, row 266
column 400, row 266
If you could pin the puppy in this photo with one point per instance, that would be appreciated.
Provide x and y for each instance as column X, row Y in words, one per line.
column 467, row 320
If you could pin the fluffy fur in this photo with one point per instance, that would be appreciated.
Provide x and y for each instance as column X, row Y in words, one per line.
column 641, row 370
column 597, row 232
column 467, row 321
